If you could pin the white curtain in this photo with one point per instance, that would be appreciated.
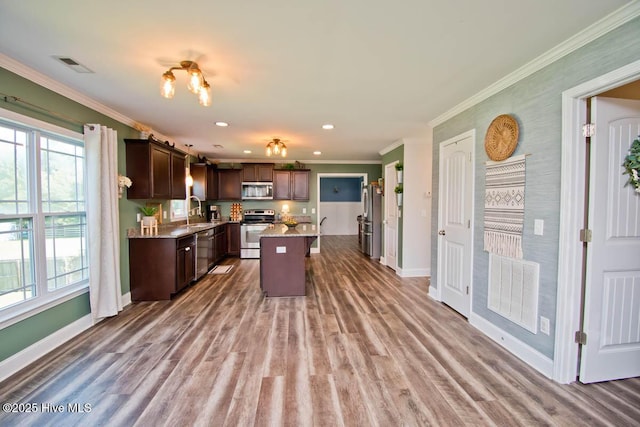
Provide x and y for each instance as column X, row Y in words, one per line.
column 101, row 145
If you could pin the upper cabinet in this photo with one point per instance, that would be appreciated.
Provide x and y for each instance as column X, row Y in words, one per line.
column 291, row 184
column 229, row 184
column 205, row 181
column 257, row 172
column 157, row 170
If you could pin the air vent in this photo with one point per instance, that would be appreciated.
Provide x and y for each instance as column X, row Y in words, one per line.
column 73, row 64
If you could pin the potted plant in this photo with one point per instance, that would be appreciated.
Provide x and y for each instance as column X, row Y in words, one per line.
column 148, row 213
column 398, row 191
column 399, row 168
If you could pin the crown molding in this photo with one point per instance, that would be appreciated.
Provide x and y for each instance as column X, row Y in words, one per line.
column 391, row 147
column 48, row 83
column 608, row 23
column 284, row 160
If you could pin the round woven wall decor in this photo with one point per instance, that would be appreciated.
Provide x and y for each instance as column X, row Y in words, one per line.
column 502, row 137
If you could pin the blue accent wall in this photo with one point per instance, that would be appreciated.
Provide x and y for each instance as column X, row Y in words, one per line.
column 340, row 189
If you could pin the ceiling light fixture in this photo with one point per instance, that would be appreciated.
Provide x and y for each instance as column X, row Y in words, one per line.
column 197, row 83
column 327, row 126
column 276, row 147
column 222, row 124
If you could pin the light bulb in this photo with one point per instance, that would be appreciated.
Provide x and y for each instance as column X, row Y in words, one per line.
column 189, row 181
column 284, row 151
column 195, row 80
column 276, row 148
column 204, row 95
column 168, row 87
column 269, row 151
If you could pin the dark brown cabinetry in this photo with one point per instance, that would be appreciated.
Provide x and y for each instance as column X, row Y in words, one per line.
column 220, row 243
column 229, row 184
column 160, row 267
column 233, row 239
column 291, row 184
column 156, row 170
column 257, row 172
column 205, row 181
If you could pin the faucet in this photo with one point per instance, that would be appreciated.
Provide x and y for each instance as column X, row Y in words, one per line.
column 198, row 209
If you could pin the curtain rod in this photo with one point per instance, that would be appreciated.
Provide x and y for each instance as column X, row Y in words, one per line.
column 15, row 99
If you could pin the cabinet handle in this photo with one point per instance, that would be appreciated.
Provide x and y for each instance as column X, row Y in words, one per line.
column 187, row 249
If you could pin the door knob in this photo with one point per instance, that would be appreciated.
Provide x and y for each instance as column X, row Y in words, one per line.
column 441, row 232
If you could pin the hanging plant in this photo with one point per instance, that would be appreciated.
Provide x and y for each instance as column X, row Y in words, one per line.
column 632, row 165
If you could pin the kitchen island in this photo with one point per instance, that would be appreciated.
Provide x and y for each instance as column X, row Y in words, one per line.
column 282, row 258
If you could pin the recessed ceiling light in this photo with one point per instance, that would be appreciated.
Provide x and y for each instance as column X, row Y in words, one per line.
column 327, row 126
column 247, row 151
column 222, row 124
column 317, row 153
column 218, row 146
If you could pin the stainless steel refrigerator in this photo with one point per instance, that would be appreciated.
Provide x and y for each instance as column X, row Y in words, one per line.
column 371, row 241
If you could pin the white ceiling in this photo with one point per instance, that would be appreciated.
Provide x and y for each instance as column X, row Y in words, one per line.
column 378, row 70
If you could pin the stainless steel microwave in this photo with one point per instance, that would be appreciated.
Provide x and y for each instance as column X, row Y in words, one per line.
column 257, row 191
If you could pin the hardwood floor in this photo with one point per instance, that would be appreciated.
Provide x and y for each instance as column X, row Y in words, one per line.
column 363, row 348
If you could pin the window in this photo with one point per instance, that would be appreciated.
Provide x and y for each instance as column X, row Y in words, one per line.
column 43, row 227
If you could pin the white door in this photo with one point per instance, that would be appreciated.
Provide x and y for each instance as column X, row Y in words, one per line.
column 612, row 298
column 390, row 217
column 454, row 223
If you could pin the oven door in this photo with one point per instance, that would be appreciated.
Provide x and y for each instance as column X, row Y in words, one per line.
column 250, row 240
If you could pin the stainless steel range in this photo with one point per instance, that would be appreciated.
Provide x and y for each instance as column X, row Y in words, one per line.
column 254, row 222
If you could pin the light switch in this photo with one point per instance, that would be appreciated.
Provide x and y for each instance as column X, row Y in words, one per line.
column 138, row 217
column 281, row 249
column 538, row 227
column 313, row 210
column 304, row 210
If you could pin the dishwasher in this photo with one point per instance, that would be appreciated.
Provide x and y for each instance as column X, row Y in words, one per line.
column 204, row 240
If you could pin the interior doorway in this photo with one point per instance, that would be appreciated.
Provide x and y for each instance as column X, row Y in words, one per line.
column 337, row 214
column 573, row 197
column 455, row 213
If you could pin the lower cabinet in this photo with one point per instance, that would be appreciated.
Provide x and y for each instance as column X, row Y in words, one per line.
column 233, row 239
column 160, row 267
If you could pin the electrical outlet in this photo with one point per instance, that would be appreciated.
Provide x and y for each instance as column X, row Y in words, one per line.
column 544, row 325
column 313, row 210
column 304, row 210
column 164, row 214
column 138, row 217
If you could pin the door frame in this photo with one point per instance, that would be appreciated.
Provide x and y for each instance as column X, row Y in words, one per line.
column 363, row 175
column 387, row 200
column 438, row 293
column 572, row 187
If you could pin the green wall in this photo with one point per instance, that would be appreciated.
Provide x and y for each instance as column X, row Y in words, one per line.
column 397, row 154
column 21, row 335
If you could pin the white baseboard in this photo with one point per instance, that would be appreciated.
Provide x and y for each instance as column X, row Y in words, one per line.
column 383, row 260
column 35, row 351
column 126, row 299
column 524, row 352
column 413, row 272
column 315, row 250
column 433, row 293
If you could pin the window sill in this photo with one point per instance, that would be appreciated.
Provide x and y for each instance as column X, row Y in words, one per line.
column 12, row 315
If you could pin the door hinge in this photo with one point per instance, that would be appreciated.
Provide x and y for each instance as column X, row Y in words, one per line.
column 468, row 223
column 588, row 130
column 467, row 290
column 581, row 338
column 585, row 235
